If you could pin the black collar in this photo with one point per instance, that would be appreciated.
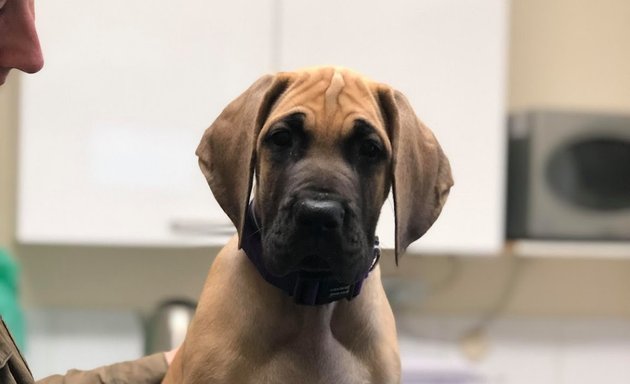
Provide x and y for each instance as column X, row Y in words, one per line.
column 307, row 288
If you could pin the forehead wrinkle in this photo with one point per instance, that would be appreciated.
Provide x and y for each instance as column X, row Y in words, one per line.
column 359, row 92
column 331, row 99
column 346, row 95
column 306, row 92
column 368, row 111
column 365, row 95
column 333, row 92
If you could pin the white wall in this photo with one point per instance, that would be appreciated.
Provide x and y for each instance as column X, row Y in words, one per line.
column 570, row 54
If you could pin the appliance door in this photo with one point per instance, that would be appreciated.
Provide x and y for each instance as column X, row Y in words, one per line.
column 581, row 169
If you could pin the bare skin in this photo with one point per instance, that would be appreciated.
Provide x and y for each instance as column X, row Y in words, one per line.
column 19, row 43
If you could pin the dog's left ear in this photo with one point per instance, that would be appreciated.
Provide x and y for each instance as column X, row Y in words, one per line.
column 227, row 151
column 421, row 172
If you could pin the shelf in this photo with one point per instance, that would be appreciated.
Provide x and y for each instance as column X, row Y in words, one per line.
column 568, row 249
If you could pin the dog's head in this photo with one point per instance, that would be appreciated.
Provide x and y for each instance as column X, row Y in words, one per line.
column 325, row 146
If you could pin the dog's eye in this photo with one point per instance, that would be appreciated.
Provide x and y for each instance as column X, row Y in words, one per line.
column 281, row 138
column 370, row 149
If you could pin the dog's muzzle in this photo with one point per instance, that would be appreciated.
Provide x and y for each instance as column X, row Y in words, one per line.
column 307, row 287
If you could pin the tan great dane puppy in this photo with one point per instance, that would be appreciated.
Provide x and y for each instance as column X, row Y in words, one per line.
column 302, row 301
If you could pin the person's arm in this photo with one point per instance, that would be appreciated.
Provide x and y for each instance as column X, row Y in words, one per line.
column 147, row 370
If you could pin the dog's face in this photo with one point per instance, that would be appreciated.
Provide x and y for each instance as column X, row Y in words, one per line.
column 325, row 145
column 322, row 175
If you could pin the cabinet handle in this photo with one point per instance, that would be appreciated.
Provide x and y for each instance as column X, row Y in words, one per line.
column 201, row 227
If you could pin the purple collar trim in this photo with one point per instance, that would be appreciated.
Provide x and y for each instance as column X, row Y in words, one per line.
column 307, row 288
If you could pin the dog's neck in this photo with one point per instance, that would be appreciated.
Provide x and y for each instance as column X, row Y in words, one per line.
column 245, row 315
column 284, row 320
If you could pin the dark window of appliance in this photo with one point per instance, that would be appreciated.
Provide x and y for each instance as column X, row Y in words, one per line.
column 592, row 173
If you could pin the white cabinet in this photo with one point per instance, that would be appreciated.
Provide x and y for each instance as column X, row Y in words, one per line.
column 109, row 127
column 449, row 58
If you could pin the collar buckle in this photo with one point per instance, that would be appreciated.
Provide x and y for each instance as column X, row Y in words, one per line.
column 316, row 289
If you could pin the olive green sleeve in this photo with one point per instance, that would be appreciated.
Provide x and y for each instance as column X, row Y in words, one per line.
column 146, row 370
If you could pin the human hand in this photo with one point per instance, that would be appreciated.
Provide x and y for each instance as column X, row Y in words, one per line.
column 170, row 355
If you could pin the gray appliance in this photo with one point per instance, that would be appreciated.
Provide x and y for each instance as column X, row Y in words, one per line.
column 569, row 176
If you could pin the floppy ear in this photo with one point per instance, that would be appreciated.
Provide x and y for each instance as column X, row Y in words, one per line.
column 421, row 172
column 227, row 149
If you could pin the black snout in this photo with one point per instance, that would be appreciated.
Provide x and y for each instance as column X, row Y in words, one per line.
column 319, row 215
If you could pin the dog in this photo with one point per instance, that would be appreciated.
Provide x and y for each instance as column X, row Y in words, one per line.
column 296, row 295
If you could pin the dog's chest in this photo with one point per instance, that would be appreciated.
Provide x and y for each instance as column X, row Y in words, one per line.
column 314, row 361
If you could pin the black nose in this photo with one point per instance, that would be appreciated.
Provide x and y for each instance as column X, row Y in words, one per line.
column 319, row 214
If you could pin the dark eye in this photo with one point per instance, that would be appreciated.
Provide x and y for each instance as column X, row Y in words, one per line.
column 281, row 138
column 370, row 149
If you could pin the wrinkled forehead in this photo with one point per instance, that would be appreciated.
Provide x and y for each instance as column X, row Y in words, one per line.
column 332, row 100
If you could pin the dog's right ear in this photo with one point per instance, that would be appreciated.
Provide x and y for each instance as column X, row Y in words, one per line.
column 227, row 151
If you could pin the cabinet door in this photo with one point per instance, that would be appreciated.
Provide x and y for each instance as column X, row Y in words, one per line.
column 448, row 57
column 109, row 127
